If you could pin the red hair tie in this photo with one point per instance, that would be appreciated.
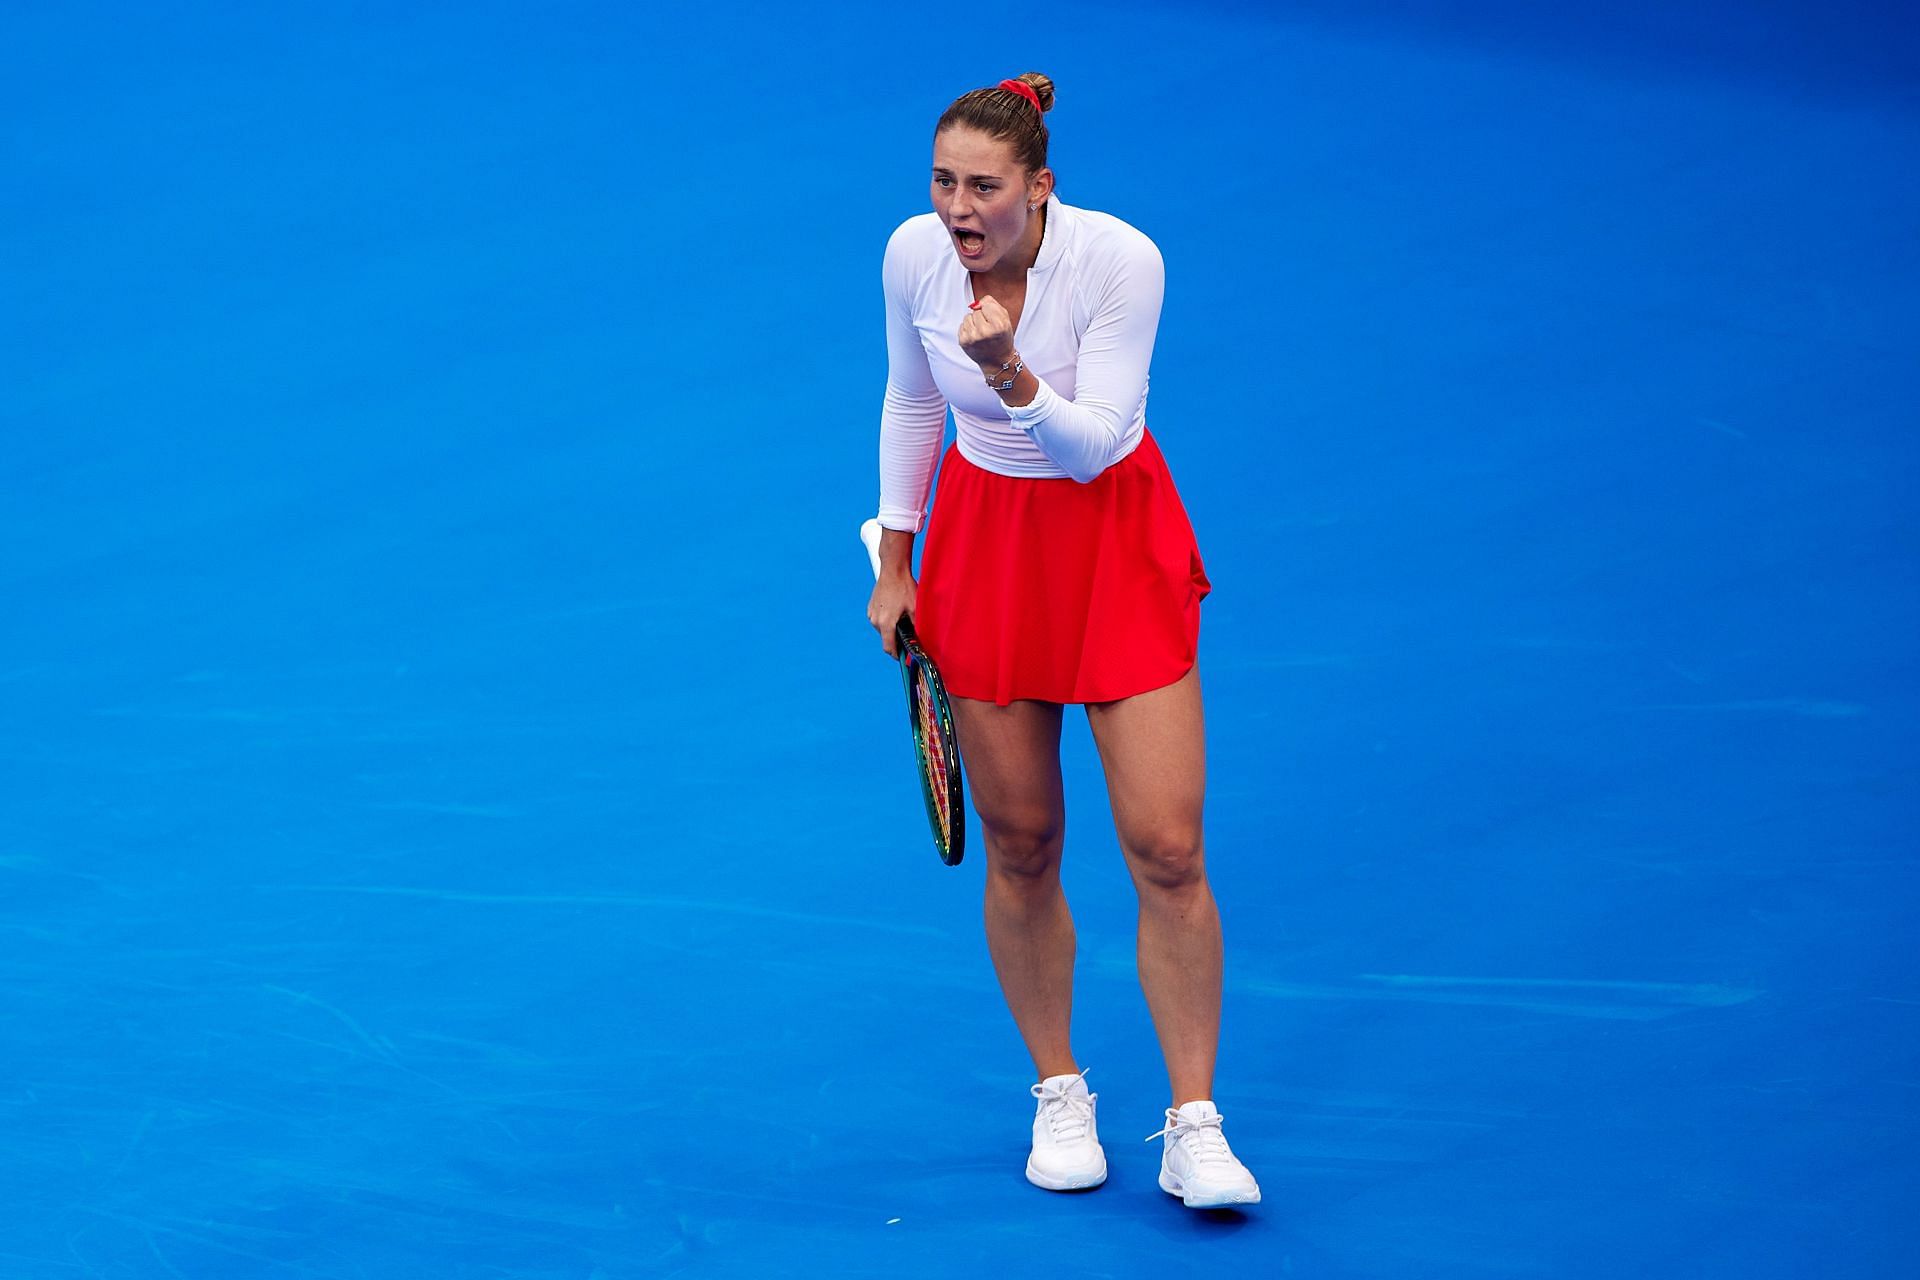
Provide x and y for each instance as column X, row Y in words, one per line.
column 1025, row 90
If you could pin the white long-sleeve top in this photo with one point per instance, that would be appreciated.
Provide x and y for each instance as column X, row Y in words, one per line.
column 1086, row 334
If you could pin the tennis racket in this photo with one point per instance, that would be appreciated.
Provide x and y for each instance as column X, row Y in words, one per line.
column 932, row 719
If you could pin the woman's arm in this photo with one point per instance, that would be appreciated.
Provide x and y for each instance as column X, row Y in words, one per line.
column 913, row 419
column 1082, row 435
column 913, row 413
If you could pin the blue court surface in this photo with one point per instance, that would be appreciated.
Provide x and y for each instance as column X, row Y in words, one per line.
column 457, row 822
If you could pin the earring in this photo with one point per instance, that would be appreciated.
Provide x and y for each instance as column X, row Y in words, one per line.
column 1032, row 207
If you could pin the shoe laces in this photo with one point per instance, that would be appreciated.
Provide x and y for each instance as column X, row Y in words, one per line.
column 1203, row 1138
column 1069, row 1115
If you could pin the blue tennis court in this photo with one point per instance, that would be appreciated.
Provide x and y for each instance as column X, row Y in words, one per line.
column 458, row 822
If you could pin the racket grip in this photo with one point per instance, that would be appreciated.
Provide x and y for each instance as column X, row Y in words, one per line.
column 870, row 534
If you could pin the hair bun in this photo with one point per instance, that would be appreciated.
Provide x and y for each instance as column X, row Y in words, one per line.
column 1042, row 87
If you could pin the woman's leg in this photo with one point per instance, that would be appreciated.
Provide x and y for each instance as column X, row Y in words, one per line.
column 1154, row 750
column 1012, row 757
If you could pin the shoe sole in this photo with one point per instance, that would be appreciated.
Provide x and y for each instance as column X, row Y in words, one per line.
column 1219, row 1200
column 1073, row 1182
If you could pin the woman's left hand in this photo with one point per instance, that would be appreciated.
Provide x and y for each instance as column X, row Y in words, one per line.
column 986, row 335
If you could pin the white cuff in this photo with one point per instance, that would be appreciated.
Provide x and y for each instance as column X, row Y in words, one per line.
column 1035, row 411
column 900, row 522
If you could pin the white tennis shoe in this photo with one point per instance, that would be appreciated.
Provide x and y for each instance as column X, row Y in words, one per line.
column 1066, row 1148
column 1197, row 1165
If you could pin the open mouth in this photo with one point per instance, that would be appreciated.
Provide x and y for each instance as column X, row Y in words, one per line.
column 971, row 243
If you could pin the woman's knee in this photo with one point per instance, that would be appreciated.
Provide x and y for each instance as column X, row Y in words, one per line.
column 1170, row 860
column 1026, row 848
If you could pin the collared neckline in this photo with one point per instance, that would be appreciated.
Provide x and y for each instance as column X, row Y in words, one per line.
column 1053, row 239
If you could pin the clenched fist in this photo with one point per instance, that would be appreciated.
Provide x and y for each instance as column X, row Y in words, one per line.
column 986, row 335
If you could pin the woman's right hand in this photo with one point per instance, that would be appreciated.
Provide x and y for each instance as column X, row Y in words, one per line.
column 893, row 594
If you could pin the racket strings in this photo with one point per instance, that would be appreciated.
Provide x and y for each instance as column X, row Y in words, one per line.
column 934, row 749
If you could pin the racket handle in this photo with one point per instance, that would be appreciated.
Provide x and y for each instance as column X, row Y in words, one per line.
column 870, row 534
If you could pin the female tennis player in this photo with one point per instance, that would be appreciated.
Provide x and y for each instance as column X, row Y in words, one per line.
column 1059, row 568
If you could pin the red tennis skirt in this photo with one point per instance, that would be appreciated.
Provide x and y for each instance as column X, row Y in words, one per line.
column 1056, row 590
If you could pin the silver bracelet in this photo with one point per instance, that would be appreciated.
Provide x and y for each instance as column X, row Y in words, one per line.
column 1012, row 369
